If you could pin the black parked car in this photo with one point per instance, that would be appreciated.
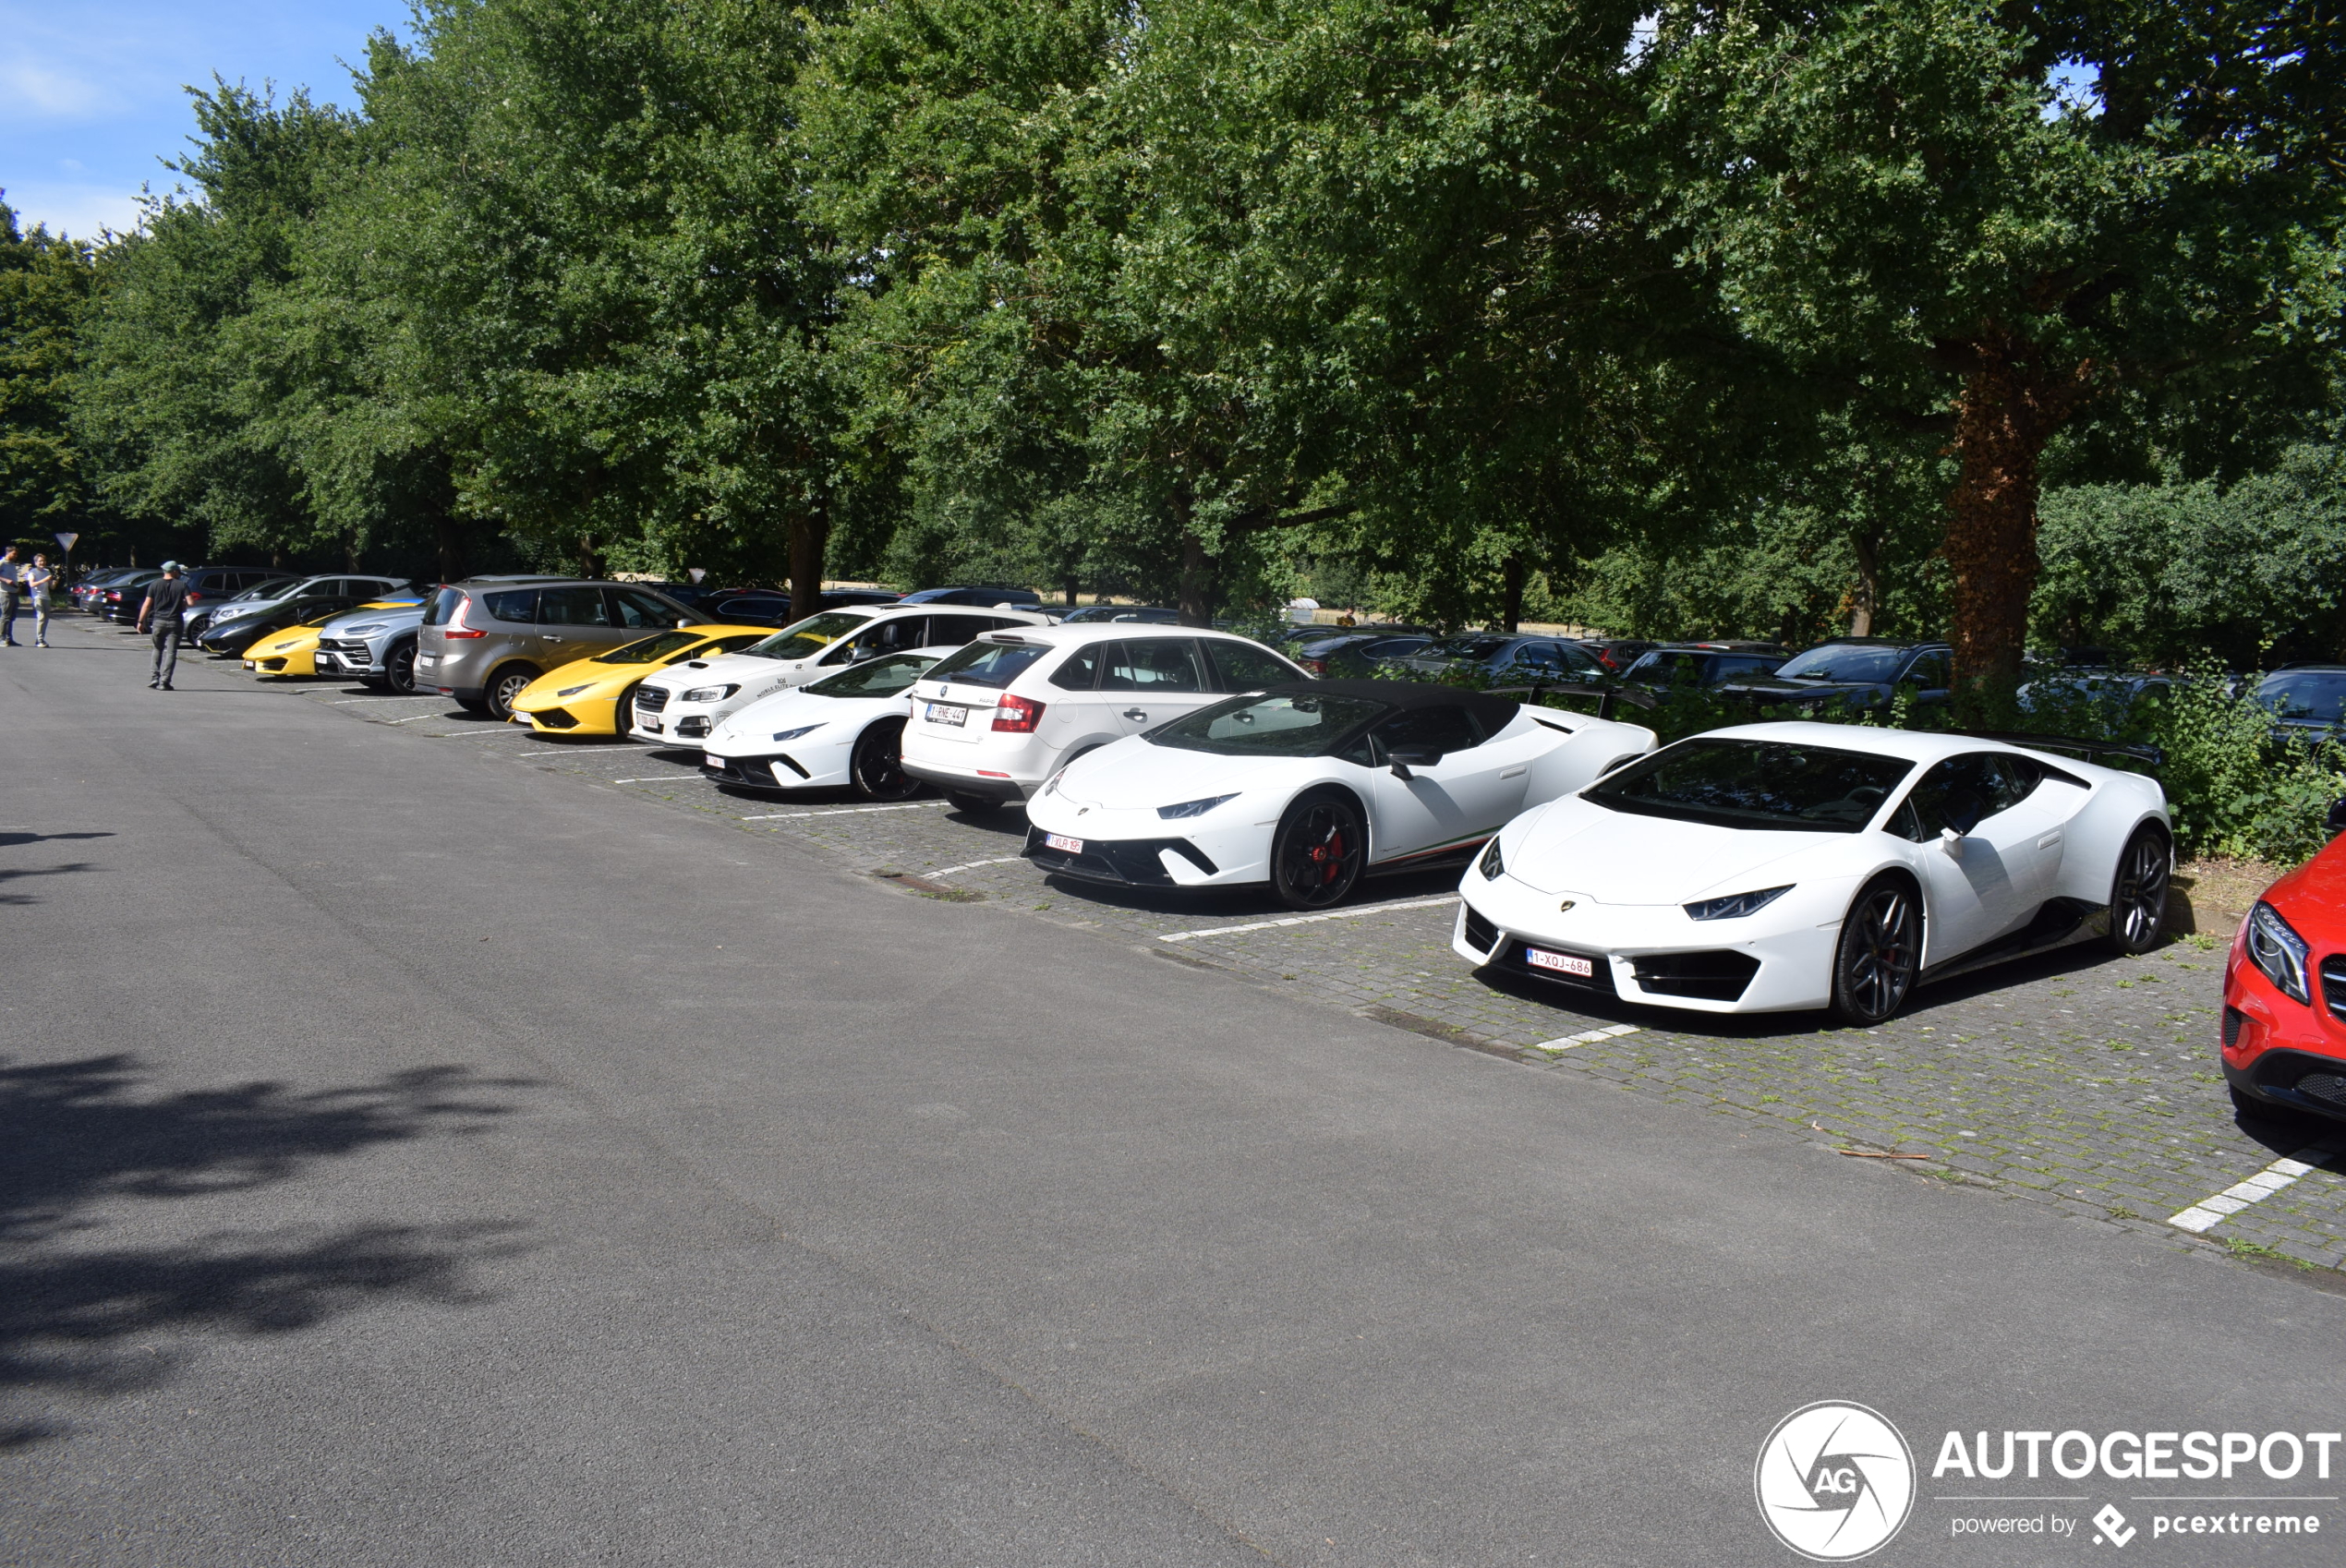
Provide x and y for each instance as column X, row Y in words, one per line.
column 1355, row 655
column 2307, row 701
column 1506, row 658
column 1701, row 665
column 230, row 634
column 1860, row 671
column 983, row 596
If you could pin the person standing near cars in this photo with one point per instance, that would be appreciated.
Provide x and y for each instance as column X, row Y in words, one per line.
column 10, row 590
column 38, row 582
column 166, row 596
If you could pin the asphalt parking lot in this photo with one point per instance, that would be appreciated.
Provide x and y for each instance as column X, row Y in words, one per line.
column 441, row 1146
column 2079, row 1080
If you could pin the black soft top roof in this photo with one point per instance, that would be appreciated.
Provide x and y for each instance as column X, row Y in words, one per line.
column 1494, row 712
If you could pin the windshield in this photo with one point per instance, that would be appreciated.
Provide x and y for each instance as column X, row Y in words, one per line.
column 1290, row 726
column 2315, row 694
column 876, row 677
column 650, row 650
column 1465, row 647
column 993, row 664
column 1761, row 784
column 807, row 637
column 1840, row 661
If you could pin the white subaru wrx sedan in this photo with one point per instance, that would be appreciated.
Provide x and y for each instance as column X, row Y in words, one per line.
column 1777, row 866
column 1311, row 786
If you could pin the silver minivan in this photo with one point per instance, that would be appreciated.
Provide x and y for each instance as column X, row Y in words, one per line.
column 484, row 639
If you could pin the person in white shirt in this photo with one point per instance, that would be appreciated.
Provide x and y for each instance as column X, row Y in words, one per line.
column 38, row 581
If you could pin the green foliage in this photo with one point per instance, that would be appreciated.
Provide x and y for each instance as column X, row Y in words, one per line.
column 2159, row 571
column 45, row 281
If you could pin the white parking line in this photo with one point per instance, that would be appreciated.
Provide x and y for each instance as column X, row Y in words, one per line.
column 410, row 719
column 1305, row 920
column 841, row 811
column 500, row 730
column 354, row 701
column 950, row 870
column 662, row 778
column 2205, row 1214
column 1610, row 1032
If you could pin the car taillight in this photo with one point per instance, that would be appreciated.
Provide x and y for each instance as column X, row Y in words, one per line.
column 1018, row 716
column 456, row 626
column 1316, row 666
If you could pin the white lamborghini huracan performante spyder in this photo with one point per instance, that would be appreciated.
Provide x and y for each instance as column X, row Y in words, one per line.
column 1778, row 867
column 1312, row 786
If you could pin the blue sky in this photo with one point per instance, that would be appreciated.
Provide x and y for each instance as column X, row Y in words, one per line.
column 91, row 89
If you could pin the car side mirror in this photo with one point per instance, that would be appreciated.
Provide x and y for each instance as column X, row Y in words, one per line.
column 1404, row 758
column 2336, row 821
column 1950, row 841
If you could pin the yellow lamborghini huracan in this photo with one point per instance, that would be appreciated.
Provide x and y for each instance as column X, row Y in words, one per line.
column 585, row 697
column 294, row 651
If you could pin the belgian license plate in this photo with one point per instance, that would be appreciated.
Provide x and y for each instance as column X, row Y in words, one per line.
column 1563, row 963
column 1061, row 841
column 252, row 664
column 952, row 714
column 651, row 724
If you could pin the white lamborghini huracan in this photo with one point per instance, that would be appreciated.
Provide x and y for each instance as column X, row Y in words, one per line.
column 1777, row 866
column 1313, row 785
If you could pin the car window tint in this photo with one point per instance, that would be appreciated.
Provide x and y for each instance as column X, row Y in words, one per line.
column 1079, row 672
column 635, row 608
column 1443, row 730
column 1245, row 668
column 1154, row 664
column 1930, row 672
column 988, row 664
column 573, row 607
column 1962, row 793
column 514, row 604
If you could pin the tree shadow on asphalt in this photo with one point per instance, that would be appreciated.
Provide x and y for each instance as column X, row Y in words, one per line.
column 13, row 873
column 74, row 1136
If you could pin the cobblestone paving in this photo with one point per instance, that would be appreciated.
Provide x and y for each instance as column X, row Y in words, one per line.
column 2079, row 1080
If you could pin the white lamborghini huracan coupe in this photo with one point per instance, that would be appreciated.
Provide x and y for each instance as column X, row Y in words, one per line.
column 1777, row 866
column 843, row 732
column 1312, row 786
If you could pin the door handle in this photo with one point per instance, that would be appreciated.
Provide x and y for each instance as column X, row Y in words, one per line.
column 551, row 637
column 1134, row 713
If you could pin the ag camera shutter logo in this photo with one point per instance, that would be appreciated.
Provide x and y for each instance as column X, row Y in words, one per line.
column 1835, row 1481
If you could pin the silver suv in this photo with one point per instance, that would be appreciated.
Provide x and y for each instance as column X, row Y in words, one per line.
column 483, row 640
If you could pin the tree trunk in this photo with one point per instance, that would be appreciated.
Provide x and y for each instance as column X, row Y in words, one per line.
column 810, row 536
column 1511, row 594
column 1866, row 601
column 448, row 541
column 1070, row 590
column 2006, row 412
column 350, row 552
column 1197, row 582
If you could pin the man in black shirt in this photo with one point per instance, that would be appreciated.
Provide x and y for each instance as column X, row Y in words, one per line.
column 166, row 596
column 11, row 588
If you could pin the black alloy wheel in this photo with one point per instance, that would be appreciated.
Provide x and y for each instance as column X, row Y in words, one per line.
column 622, row 712
column 399, row 669
column 2138, row 893
column 504, row 686
column 1317, row 854
column 877, row 768
column 1879, row 952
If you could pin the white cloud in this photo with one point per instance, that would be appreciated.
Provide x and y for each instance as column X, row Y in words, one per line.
column 77, row 209
column 50, row 93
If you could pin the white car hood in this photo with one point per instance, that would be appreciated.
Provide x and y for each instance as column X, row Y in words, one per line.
column 739, row 668
column 792, row 709
column 1621, row 858
column 1131, row 774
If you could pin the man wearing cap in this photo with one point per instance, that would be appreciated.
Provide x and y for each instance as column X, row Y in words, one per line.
column 166, row 596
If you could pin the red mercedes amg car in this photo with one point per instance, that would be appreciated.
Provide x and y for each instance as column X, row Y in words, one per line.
column 2285, row 990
